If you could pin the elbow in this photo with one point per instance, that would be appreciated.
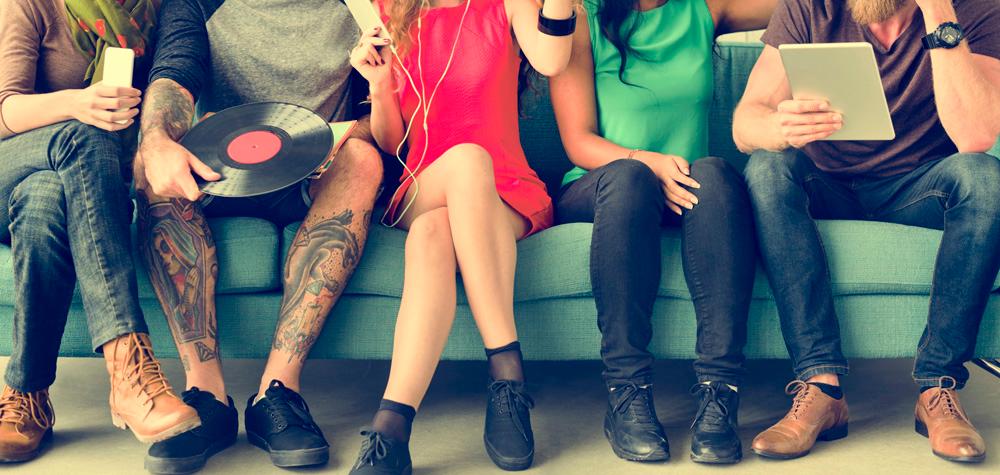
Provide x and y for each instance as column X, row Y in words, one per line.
column 550, row 69
column 978, row 143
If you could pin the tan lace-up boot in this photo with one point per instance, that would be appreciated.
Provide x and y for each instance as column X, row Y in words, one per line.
column 25, row 424
column 141, row 398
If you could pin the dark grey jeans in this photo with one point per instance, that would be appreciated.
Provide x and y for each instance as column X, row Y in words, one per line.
column 67, row 220
column 959, row 194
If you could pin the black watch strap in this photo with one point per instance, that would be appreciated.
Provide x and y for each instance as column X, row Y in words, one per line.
column 931, row 41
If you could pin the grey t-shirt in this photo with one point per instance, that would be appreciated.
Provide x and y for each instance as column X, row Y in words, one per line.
column 233, row 52
column 906, row 78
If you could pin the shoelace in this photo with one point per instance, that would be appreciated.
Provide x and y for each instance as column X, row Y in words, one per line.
column 634, row 401
column 712, row 408
column 143, row 369
column 288, row 409
column 506, row 396
column 16, row 406
column 945, row 399
column 799, row 389
column 373, row 449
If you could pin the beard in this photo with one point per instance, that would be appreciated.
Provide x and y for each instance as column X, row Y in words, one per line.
column 873, row 11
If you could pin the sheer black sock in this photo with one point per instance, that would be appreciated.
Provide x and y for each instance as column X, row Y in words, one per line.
column 505, row 362
column 394, row 420
column 830, row 390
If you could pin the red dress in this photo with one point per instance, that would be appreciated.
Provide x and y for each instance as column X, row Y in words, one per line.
column 476, row 103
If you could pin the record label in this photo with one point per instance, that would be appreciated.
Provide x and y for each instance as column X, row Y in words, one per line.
column 254, row 147
column 259, row 148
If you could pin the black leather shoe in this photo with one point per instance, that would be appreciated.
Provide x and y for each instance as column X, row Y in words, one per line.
column 281, row 425
column 507, row 435
column 631, row 424
column 381, row 455
column 715, row 439
column 188, row 452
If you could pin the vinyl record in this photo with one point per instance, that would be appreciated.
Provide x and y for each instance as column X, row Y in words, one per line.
column 259, row 148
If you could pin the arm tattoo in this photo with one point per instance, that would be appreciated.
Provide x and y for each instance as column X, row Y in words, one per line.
column 177, row 245
column 168, row 108
column 319, row 262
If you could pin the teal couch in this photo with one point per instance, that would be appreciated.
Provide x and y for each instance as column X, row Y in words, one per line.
column 881, row 277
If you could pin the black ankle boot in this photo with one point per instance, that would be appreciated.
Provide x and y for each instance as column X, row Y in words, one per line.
column 715, row 439
column 507, row 435
column 631, row 424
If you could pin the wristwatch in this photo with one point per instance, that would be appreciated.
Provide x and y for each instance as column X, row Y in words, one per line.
column 948, row 35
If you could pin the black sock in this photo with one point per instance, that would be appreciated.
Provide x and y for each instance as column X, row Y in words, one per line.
column 505, row 362
column 830, row 390
column 394, row 420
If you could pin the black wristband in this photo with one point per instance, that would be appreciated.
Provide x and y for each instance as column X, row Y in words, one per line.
column 551, row 27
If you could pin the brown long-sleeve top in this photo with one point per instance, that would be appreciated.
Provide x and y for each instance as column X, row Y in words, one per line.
column 37, row 54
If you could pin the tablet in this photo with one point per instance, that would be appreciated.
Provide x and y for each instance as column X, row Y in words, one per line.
column 847, row 76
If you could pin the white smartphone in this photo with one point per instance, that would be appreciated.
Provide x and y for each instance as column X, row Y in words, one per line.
column 846, row 75
column 118, row 64
column 366, row 16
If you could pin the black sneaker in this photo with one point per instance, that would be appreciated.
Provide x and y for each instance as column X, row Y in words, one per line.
column 188, row 452
column 381, row 455
column 281, row 425
column 507, row 436
column 715, row 439
column 631, row 426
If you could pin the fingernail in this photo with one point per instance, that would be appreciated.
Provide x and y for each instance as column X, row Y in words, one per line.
column 696, row 186
column 386, row 41
column 824, row 106
column 838, row 126
column 695, row 200
column 688, row 205
column 838, row 118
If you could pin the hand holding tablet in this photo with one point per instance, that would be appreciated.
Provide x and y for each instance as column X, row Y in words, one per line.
column 834, row 84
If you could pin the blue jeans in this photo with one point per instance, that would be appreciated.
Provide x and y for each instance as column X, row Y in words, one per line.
column 67, row 219
column 625, row 201
column 959, row 194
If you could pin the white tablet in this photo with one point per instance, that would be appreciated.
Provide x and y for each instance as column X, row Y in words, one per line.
column 847, row 76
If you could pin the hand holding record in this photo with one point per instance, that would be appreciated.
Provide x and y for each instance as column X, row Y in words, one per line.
column 170, row 168
column 259, row 148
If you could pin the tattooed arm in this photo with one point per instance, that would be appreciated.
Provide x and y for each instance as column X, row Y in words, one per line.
column 166, row 117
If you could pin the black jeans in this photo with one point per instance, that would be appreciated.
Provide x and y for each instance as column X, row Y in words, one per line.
column 626, row 203
column 68, row 214
column 959, row 194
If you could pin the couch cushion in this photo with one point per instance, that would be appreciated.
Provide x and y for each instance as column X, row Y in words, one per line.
column 247, row 256
column 866, row 258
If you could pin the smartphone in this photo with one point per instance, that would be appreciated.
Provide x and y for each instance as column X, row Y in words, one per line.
column 118, row 64
column 366, row 16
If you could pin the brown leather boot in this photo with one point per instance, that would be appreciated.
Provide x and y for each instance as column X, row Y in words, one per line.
column 141, row 398
column 940, row 418
column 814, row 416
column 25, row 424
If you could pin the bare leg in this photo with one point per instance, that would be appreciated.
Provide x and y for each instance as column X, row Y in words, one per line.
column 322, row 258
column 177, row 245
column 457, row 193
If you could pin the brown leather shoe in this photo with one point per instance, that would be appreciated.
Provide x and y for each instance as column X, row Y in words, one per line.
column 940, row 418
column 814, row 416
column 25, row 424
column 141, row 398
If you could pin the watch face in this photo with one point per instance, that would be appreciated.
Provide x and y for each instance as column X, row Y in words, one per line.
column 950, row 35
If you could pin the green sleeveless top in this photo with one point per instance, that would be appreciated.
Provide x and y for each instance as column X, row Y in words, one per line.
column 665, row 109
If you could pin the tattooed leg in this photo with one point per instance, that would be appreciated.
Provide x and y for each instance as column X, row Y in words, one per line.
column 322, row 257
column 177, row 245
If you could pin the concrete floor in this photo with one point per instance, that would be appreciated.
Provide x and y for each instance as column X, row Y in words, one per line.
column 448, row 432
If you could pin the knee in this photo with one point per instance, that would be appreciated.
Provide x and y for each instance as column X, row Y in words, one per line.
column 720, row 183
column 977, row 176
column 39, row 201
column 629, row 186
column 359, row 161
column 768, row 173
column 75, row 137
column 470, row 166
column 429, row 236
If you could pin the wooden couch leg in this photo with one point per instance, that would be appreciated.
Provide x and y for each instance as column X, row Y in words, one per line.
column 991, row 366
